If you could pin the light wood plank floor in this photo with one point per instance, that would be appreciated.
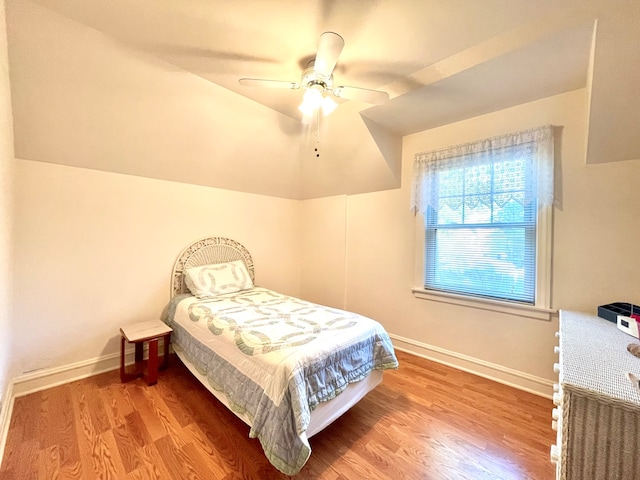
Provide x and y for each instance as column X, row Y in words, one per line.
column 426, row 421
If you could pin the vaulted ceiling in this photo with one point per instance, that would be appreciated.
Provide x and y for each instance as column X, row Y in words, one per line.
column 151, row 87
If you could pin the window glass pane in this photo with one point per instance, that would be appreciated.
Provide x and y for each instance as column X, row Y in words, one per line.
column 451, row 183
column 477, row 179
column 496, row 262
column 508, row 208
column 477, row 209
column 481, row 239
column 470, row 196
column 450, row 212
column 509, row 176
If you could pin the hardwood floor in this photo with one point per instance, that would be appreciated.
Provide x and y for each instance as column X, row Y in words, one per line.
column 425, row 421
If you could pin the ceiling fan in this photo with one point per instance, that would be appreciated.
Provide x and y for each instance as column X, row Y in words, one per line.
column 317, row 80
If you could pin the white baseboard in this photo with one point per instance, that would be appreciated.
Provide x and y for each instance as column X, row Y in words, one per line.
column 52, row 377
column 498, row 373
column 5, row 417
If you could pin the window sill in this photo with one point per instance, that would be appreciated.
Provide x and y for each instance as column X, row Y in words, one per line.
column 499, row 306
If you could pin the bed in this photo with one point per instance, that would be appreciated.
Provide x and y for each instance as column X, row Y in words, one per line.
column 286, row 367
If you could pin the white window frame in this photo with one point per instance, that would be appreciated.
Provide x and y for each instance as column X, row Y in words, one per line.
column 541, row 309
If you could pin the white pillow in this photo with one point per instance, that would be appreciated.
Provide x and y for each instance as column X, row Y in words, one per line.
column 208, row 281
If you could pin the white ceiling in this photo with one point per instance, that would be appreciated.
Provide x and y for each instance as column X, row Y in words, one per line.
column 441, row 61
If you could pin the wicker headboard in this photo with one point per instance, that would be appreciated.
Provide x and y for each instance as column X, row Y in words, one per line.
column 208, row 251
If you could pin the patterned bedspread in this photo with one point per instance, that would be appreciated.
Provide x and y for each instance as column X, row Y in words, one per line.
column 276, row 358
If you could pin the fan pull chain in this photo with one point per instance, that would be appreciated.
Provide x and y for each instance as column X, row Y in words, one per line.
column 317, row 133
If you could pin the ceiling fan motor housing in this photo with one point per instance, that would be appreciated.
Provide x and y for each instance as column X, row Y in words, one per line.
column 312, row 78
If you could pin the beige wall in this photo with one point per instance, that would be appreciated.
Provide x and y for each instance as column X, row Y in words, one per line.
column 94, row 251
column 83, row 99
column 595, row 251
column 597, row 247
column 324, row 250
column 6, row 207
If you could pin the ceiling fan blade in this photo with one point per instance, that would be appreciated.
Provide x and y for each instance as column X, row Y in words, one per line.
column 376, row 97
column 329, row 48
column 258, row 82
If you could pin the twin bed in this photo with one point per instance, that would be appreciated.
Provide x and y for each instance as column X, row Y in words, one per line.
column 286, row 367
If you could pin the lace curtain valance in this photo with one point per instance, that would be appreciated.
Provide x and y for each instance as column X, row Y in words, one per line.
column 533, row 147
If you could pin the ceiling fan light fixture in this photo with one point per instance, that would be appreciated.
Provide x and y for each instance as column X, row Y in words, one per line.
column 328, row 105
column 312, row 100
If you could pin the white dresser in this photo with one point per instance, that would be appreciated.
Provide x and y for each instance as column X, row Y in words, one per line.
column 597, row 414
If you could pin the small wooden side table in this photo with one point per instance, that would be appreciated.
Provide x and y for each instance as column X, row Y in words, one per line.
column 138, row 333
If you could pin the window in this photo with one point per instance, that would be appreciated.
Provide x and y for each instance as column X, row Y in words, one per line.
column 486, row 208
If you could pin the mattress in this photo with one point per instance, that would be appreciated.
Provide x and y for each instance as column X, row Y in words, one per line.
column 322, row 416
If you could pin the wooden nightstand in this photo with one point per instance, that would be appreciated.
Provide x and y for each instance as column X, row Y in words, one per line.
column 139, row 333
